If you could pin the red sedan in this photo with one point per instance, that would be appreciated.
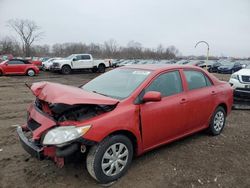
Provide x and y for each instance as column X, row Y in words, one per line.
column 123, row 113
column 18, row 66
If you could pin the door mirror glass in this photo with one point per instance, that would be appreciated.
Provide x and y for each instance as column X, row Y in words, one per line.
column 74, row 59
column 152, row 96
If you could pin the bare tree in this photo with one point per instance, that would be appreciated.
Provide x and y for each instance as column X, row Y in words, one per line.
column 110, row 47
column 9, row 45
column 28, row 31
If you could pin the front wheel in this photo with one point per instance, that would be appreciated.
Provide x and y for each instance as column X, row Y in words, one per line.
column 66, row 69
column 217, row 122
column 110, row 159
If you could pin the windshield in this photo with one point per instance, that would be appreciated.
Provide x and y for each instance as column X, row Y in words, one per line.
column 70, row 57
column 118, row 83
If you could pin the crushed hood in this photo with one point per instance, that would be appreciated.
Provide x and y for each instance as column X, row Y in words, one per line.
column 59, row 93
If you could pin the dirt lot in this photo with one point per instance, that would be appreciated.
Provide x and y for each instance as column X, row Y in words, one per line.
column 196, row 161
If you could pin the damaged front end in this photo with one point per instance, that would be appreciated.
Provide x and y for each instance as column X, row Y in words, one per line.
column 56, row 130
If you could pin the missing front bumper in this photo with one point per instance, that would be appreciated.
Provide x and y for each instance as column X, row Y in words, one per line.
column 29, row 146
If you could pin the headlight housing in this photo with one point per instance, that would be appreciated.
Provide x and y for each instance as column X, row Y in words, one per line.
column 235, row 76
column 64, row 134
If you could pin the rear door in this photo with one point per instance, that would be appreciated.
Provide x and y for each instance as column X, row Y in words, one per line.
column 164, row 120
column 201, row 95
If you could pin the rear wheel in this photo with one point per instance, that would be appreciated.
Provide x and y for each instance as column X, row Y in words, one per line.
column 110, row 159
column 217, row 122
column 31, row 72
column 101, row 68
column 66, row 69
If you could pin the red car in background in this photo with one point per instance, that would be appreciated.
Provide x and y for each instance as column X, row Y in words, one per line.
column 123, row 113
column 37, row 63
column 18, row 66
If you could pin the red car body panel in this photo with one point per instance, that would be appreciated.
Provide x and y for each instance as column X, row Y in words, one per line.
column 6, row 69
column 151, row 124
column 41, row 118
column 58, row 93
column 37, row 63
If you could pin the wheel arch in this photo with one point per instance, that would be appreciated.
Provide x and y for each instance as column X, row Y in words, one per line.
column 128, row 134
column 224, row 106
column 66, row 65
column 102, row 64
column 29, row 68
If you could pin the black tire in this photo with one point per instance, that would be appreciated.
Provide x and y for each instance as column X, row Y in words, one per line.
column 1, row 73
column 66, row 69
column 101, row 68
column 217, row 122
column 30, row 72
column 94, row 69
column 95, row 158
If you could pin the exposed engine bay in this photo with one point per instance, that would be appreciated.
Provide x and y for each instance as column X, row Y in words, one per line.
column 77, row 112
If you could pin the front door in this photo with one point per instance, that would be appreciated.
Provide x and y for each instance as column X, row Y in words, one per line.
column 82, row 62
column 15, row 67
column 164, row 120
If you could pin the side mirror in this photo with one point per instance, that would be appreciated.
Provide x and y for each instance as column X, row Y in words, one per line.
column 74, row 59
column 152, row 96
column 6, row 64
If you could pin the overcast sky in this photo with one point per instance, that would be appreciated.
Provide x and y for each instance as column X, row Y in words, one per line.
column 224, row 24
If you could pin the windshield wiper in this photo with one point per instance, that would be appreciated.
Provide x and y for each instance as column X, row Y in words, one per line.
column 100, row 93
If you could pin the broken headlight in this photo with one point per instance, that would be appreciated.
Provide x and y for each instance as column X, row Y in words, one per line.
column 64, row 134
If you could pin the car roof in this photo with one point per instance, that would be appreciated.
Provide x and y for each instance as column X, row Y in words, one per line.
column 159, row 67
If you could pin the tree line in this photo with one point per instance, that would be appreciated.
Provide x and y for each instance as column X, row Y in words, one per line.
column 29, row 33
column 109, row 49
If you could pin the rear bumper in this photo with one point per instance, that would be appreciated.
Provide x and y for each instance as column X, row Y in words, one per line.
column 29, row 146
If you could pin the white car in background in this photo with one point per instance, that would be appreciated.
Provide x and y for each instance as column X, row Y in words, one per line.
column 46, row 64
column 240, row 81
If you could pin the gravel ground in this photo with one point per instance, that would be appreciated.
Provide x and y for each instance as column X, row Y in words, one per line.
column 197, row 161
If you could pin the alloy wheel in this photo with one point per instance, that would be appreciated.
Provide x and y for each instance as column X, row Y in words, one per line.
column 115, row 159
column 219, row 119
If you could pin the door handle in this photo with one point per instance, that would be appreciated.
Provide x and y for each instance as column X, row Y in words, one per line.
column 183, row 101
column 213, row 93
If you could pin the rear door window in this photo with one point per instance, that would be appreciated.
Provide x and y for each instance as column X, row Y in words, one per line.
column 85, row 57
column 196, row 79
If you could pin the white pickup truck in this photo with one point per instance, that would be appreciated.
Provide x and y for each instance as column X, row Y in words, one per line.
column 78, row 62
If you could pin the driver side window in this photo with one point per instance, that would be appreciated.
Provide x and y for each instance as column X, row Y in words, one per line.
column 167, row 84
